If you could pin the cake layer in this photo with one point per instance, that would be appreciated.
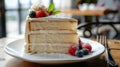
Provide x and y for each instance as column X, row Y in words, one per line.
column 70, row 38
column 51, row 24
column 35, row 26
column 47, row 47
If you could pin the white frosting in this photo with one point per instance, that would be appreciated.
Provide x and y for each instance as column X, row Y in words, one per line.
column 37, row 6
column 52, row 17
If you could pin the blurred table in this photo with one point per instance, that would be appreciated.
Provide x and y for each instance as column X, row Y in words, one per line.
column 95, row 13
column 84, row 12
column 10, row 61
column 88, row 12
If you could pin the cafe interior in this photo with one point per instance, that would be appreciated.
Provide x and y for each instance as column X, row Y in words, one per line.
column 95, row 17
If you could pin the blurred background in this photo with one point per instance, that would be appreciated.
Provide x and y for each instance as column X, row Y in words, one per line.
column 13, row 15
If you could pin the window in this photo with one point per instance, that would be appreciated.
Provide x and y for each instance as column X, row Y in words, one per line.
column 2, row 19
column 62, row 4
column 15, row 14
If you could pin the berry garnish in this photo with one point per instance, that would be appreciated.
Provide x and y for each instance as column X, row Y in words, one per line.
column 32, row 14
column 79, row 41
column 85, row 51
column 80, row 44
column 51, row 12
column 72, row 50
column 79, row 53
column 40, row 13
column 88, row 46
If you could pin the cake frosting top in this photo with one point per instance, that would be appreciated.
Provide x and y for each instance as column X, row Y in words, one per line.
column 52, row 18
column 38, row 12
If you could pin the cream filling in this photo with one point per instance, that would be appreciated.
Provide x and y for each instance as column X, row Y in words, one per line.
column 48, row 44
column 47, row 47
column 52, row 31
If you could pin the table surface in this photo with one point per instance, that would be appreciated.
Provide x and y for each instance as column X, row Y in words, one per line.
column 10, row 61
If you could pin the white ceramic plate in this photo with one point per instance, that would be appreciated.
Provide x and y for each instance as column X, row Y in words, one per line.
column 16, row 49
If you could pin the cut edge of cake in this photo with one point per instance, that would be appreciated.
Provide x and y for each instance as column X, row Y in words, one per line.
column 52, row 47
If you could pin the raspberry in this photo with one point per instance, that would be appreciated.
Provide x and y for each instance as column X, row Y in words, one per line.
column 88, row 46
column 72, row 50
column 40, row 13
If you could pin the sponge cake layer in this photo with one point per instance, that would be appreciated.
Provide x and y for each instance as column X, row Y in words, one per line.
column 52, row 38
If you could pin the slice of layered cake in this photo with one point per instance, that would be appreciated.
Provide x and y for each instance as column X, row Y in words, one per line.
column 51, row 34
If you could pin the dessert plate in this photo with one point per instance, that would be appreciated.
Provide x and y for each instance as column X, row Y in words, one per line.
column 16, row 49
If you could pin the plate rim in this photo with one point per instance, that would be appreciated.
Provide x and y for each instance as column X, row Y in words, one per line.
column 44, row 61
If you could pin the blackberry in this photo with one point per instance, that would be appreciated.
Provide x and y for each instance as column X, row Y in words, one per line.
column 32, row 14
